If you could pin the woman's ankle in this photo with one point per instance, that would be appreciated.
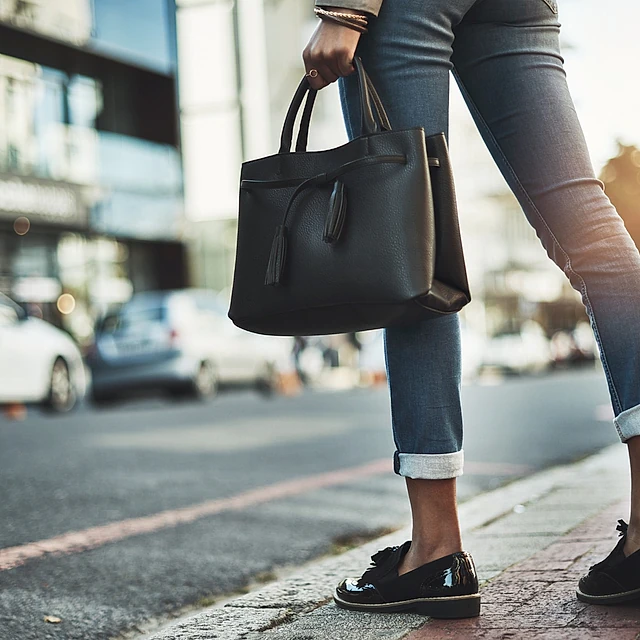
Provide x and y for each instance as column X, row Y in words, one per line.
column 632, row 543
column 421, row 553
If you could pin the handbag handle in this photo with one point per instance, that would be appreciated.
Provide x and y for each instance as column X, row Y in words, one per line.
column 303, row 133
column 367, row 93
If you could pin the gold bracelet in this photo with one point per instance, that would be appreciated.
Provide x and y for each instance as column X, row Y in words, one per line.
column 352, row 24
column 339, row 14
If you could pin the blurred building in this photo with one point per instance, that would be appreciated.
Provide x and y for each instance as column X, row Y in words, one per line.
column 90, row 172
column 240, row 62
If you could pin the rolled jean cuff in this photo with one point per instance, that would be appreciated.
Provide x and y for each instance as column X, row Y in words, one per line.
column 627, row 423
column 429, row 466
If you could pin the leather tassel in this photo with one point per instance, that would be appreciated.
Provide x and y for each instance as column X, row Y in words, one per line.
column 337, row 212
column 277, row 257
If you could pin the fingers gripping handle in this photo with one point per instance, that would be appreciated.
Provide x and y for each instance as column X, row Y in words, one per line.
column 368, row 96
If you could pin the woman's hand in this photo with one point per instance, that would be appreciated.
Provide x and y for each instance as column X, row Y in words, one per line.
column 330, row 50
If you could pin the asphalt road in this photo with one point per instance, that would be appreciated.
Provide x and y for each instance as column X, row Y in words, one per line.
column 238, row 456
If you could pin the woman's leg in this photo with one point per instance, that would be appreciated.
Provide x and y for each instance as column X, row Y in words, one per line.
column 407, row 54
column 435, row 527
column 508, row 65
column 632, row 543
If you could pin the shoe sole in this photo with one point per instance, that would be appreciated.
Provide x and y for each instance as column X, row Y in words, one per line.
column 616, row 598
column 447, row 607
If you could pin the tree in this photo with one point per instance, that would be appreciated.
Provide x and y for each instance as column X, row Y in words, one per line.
column 621, row 177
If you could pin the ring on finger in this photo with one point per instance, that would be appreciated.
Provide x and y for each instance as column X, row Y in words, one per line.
column 312, row 73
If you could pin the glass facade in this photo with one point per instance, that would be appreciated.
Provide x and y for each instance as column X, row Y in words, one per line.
column 132, row 38
column 139, row 31
column 47, row 123
column 91, row 183
column 122, row 185
column 144, row 188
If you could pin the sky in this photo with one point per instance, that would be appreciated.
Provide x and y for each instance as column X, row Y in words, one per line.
column 601, row 46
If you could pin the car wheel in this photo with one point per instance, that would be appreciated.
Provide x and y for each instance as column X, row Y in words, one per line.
column 206, row 382
column 62, row 395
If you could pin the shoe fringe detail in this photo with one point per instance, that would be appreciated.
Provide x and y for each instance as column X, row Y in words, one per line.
column 378, row 559
column 622, row 527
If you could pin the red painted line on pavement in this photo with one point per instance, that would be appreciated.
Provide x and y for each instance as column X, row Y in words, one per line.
column 93, row 537
column 85, row 539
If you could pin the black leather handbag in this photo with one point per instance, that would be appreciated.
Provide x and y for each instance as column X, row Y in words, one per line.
column 362, row 236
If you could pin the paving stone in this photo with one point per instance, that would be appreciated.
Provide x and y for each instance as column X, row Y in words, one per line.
column 366, row 619
column 223, row 624
column 572, row 573
column 616, row 617
column 496, row 553
column 351, row 624
column 535, row 520
column 511, row 620
column 511, row 592
column 604, row 526
column 329, row 632
column 450, row 632
column 557, row 557
column 485, row 575
column 556, row 598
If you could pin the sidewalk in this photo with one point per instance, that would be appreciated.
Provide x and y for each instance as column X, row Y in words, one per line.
column 531, row 541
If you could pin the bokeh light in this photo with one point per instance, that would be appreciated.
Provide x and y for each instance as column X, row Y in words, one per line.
column 66, row 303
column 21, row 226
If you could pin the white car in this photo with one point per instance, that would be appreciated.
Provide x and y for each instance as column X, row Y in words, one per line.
column 526, row 351
column 38, row 362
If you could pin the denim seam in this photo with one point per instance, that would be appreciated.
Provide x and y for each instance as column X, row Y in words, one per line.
column 386, row 365
column 583, row 286
column 551, row 6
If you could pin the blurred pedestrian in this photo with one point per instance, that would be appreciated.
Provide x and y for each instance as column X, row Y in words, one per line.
column 299, row 345
column 505, row 57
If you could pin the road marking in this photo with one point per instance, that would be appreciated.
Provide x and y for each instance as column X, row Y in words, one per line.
column 93, row 537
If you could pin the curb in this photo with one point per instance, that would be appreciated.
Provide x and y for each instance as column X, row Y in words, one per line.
column 500, row 528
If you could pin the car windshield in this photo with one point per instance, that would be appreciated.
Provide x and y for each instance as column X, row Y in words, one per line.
column 132, row 317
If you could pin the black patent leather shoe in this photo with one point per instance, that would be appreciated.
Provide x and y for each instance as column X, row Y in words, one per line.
column 444, row 588
column 614, row 580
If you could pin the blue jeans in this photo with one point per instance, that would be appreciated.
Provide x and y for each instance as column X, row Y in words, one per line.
column 505, row 57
